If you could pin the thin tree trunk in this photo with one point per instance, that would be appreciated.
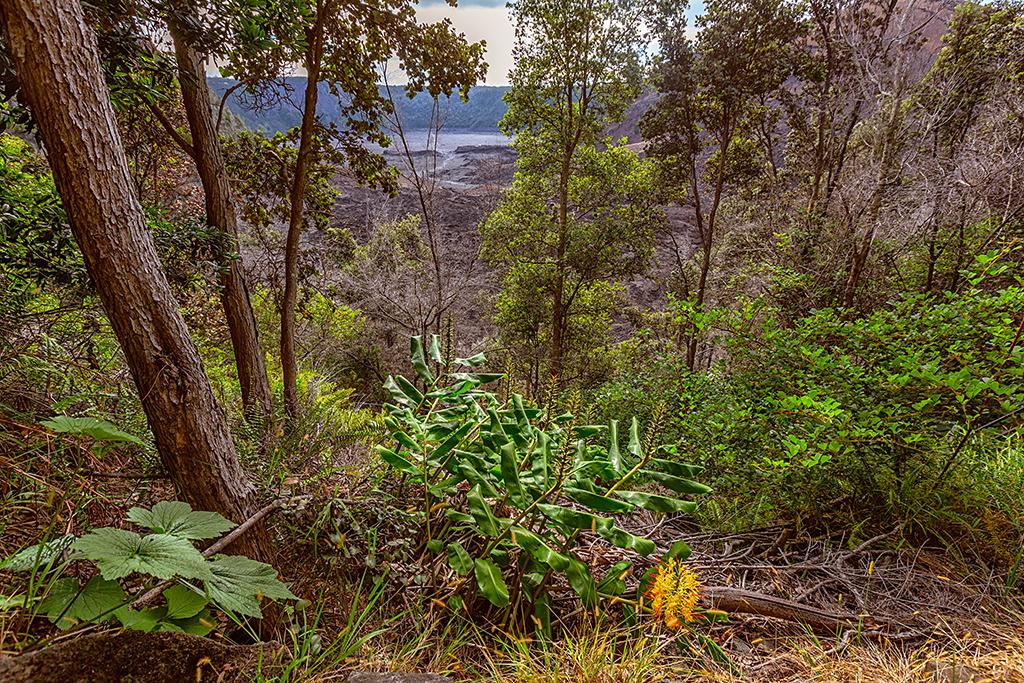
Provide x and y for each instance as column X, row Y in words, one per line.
column 220, row 213
column 55, row 56
column 289, row 361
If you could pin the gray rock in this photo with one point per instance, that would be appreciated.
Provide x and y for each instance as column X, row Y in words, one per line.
column 372, row 677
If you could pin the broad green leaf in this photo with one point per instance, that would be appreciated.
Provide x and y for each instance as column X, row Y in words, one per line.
column 396, row 393
column 573, row 519
column 492, row 585
column 677, row 484
column 142, row 619
column 679, row 551
column 459, row 559
column 458, row 516
column 677, row 469
column 481, row 512
column 474, row 361
column 478, row 480
column 452, row 441
column 39, row 555
column 419, row 360
column 538, row 549
column 199, row 625
column 67, row 607
column 100, row 430
column 597, row 502
column 614, row 581
column 9, row 602
column 655, row 503
column 542, row 615
column 614, row 457
column 175, row 518
column 587, row 431
column 409, row 389
column 510, row 474
column 183, row 602
column 239, row 583
column 634, row 440
column 624, row 539
column 397, row 461
column 434, row 349
column 582, row 582
column 118, row 553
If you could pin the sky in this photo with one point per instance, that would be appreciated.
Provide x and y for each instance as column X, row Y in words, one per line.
column 488, row 20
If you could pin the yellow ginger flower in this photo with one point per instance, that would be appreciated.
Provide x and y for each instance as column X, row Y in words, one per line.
column 673, row 591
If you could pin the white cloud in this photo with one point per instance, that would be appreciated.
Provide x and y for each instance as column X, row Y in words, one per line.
column 491, row 24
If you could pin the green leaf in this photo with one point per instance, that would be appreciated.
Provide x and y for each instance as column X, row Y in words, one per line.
column 582, row 582
column 679, row 551
column 538, row 549
column 183, row 602
column 573, row 519
column 199, row 625
column 614, row 581
column 492, row 585
column 510, row 473
column 239, row 583
column 677, row 469
column 624, row 539
column 118, row 553
column 597, row 502
column 39, row 555
column 459, row 559
column 9, row 602
column 542, row 615
column 67, row 607
column 614, row 457
column 141, row 620
column 634, row 440
column 434, row 349
column 481, row 512
column 419, row 359
column 397, row 461
column 654, row 503
column 474, row 361
column 677, row 484
column 175, row 518
column 100, row 430
column 409, row 390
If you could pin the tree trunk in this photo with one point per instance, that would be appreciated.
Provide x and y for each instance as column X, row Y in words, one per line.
column 220, row 213
column 55, row 56
column 558, row 313
column 297, row 197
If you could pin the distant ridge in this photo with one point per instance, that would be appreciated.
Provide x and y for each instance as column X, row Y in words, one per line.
column 481, row 113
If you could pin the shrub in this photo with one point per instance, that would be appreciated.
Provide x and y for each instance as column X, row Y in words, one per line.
column 507, row 488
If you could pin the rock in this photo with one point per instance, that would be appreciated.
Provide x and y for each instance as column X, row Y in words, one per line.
column 943, row 672
column 137, row 657
column 372, row 677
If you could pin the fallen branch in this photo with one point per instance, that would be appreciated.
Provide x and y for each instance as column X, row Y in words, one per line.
column 737, row 600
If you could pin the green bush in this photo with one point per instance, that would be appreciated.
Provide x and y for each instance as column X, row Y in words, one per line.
column 506, row 489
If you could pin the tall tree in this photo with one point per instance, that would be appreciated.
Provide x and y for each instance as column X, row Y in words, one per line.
column 146, row 77
column 345, row 47
column 55, row 56
column 206, row 150
column 577, row 66
column 704, row 129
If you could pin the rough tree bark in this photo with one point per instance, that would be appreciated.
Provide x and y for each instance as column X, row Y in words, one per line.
column 55, row 56
column 220, row 213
